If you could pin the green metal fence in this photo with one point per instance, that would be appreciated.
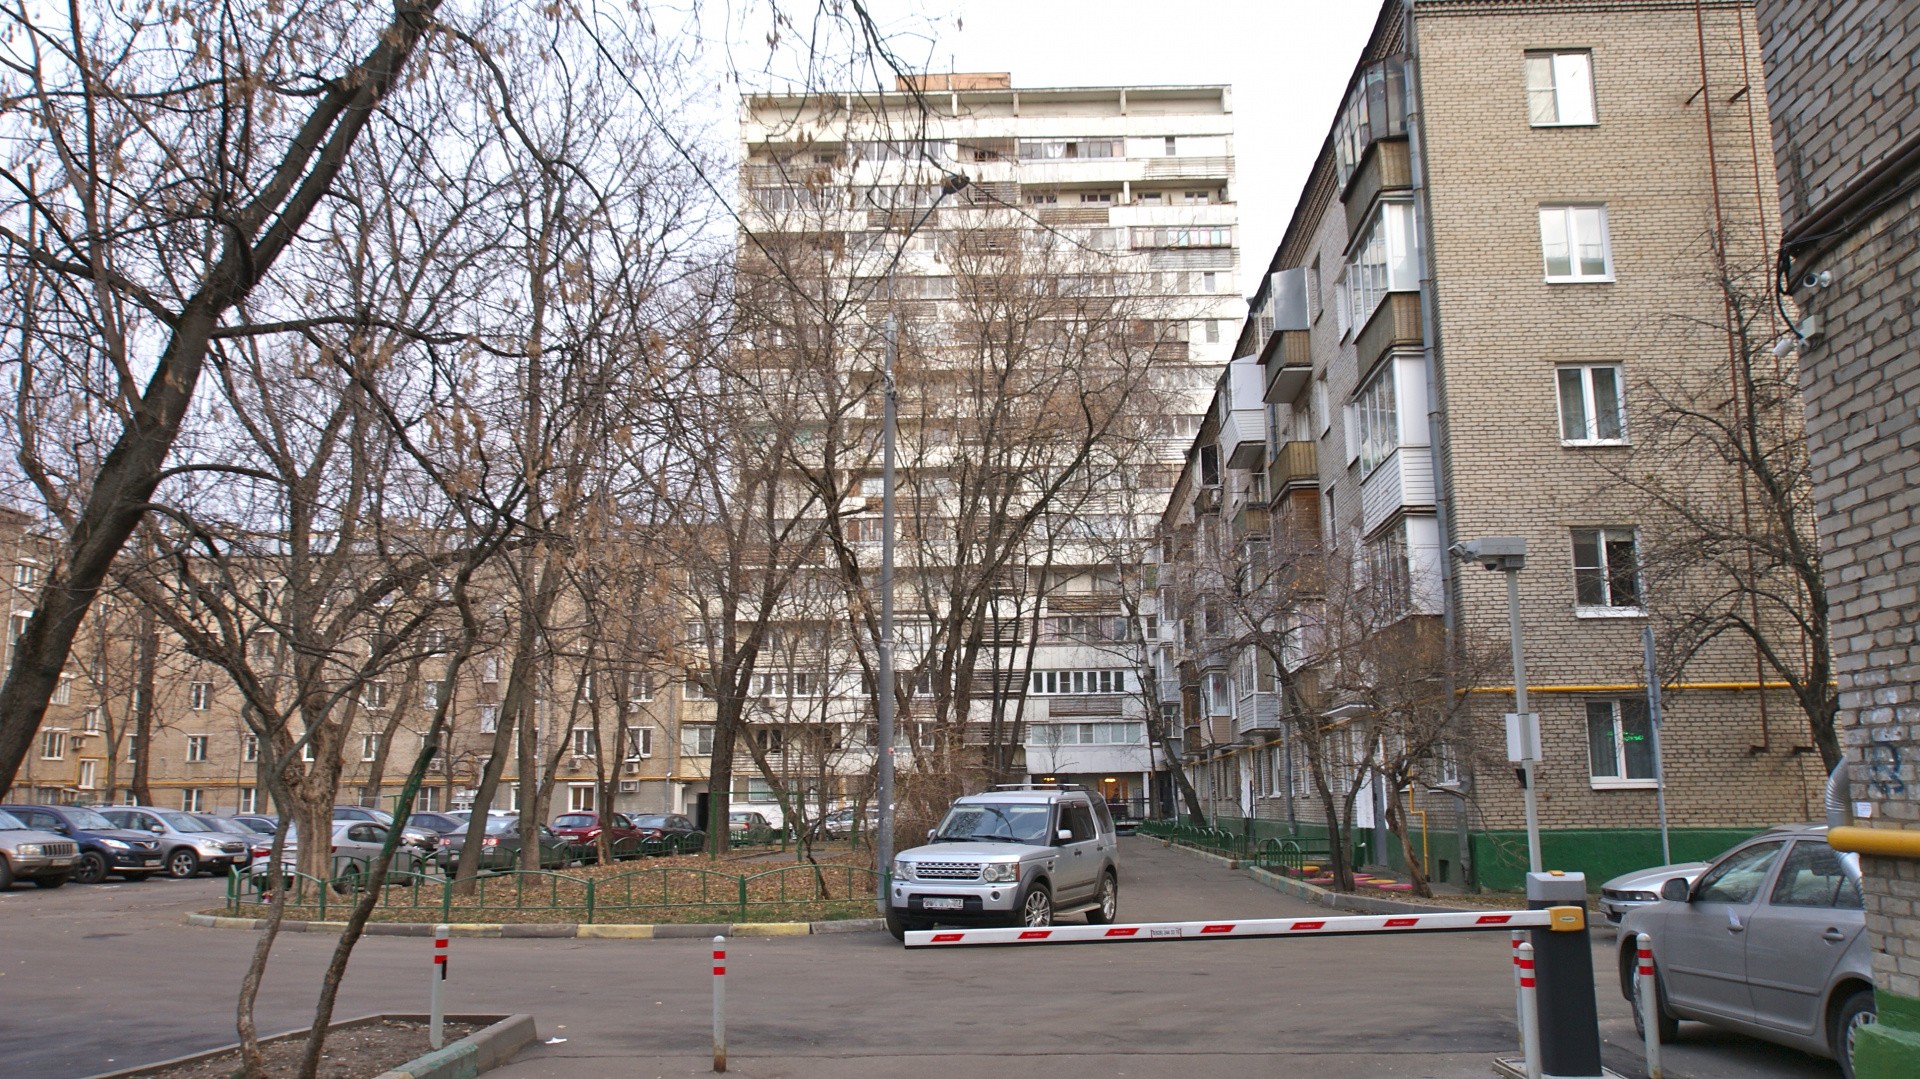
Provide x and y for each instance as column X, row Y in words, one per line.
column 826, row 890
column 1268, row 853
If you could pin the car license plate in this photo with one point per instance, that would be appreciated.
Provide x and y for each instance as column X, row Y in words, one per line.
column 58, row 862
column 937, row 903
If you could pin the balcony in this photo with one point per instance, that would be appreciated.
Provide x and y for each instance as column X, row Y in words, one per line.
column 1288, row 361
column 1059, row 707
column 1188, row 168
column 1256, row 714
column 1243, row 423
column 1394, row 324
column 1071, row 215
column 1249, row 521
column 1386, row 166
column 1295, row 464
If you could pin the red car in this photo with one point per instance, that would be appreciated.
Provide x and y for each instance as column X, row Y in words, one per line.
column 583, row 829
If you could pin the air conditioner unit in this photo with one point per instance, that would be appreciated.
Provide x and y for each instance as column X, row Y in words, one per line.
column 629, row 786
column 631, row 768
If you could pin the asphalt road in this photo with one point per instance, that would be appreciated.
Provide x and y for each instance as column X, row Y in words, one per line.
column 103, row 977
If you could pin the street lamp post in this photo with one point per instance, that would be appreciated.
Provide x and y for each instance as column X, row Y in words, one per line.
column 883, row 709
column 1508, row 555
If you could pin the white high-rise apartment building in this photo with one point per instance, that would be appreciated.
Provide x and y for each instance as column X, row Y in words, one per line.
column 1100, row 219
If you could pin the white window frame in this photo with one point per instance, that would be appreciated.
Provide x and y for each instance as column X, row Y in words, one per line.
column 1619, row 780
column 1568, row 215
column 1385, row 260
column 53, row 745
column 584, row 741
column 196, row 748
column 1589, row 433
column 489, row 718
column 639, row 743
column 696, row 739
column 193, row 799
column 1376, row 416
column 639, row 687
column 249, row 748
column 62, row 690
column 1562, row 80
column 580, row 797
column 374, row 694
column 199, row 696
column 1603, row 536
column 248, row 800
column 369, row 746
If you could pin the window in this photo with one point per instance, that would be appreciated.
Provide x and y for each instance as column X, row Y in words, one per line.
column 1573, row 241
column 1385, row 260
column 1591, row 411
column 428, row 800
column 62, row 690
column 771, row 740
column 17, row 624
column 1377, row 419
column 1219, row 694
column 1196, row 198
column 1813, row 876
column 193, row 799
column 53, row 745
column 430, row 694
column 1559, row 88
column 260, row 646
column 696, row 739
column 369, row 746
column 306, row 753
column 639, row 687
column 1183, row 236
column 580, row 797
column 196, row 747
column 249, row 801
column 25, row 575
column 639, row 743
column 1168, row 150
column 1054, row 683
column 1620, row 743
column 91, row 722
column 586, row 687
column 249, row 748
column 374, row 695
column 490, row 669
column 1096, row 198
column 199, row 695
column 1148, row 198
column 1042, row 198
column 1737, row 879
column 1209, row 281
column 1098, row 733
column 1067, row 149
column 694, row 689
column 1606, row 573
column 489, row 718
column 1212, row 331
column 586, row 742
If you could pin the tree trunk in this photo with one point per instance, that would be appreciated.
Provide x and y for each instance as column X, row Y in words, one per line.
column 146, row 659
column 1398, row 825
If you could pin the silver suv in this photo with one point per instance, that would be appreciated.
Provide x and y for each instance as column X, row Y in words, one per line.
column 1010, row 857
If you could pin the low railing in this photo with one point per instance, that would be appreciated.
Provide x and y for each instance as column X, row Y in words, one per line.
column 1291, row 855
column 814, row 891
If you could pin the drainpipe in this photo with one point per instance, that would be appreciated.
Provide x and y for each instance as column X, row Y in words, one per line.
column 1839, row 787
column 1430, row 356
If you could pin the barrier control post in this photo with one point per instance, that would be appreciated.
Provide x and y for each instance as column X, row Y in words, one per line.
column 1569, row 1017
column 720, row 1004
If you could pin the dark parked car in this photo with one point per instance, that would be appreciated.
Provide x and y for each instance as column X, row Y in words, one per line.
column 502, row 844
column 259, row 822
column 669, row 833
column 438, row 823
column 104, row 848
column 583, row 829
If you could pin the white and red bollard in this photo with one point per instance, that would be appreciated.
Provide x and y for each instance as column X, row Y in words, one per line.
column 1514, row 941
column 720, row 1004
column 1649, row 1003
column 1529, row 1011
column 437, row 1013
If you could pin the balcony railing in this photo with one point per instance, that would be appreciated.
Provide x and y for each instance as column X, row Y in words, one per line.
column 1387, row 166
column 1294, row 465
column 1394, row 324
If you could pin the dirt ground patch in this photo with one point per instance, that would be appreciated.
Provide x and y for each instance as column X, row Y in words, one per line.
column 686, row 888
column 355, row 1052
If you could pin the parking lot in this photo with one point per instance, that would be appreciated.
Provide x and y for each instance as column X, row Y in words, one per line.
column 113, row 965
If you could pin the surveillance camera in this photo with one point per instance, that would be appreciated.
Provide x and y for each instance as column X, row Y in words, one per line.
column 1817, row 280
column 1783, row 347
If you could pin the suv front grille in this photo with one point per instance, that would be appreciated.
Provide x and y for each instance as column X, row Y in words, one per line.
column 947, row 871
column 59, row 850
column 233, row 848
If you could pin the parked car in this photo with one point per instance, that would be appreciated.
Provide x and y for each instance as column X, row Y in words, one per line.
column 502, row 843
column 187, row 847
column 104, row 848
column 1641, row 887
column 257, row 821
column 770, row 810
column 748, row 826
column 412, row 835
column 1770, row 941
column 437, row 823
column 257, row 843
column 669, row 833
column 354, row 846
column 44, row 858
column 841, row 823
column 1010, row 857
column 583, row 829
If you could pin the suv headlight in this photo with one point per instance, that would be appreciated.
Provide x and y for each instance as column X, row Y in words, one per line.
column 902, row 869
column 113, row 844
column 1000, row 872
column 209, row 848
column 30, row 850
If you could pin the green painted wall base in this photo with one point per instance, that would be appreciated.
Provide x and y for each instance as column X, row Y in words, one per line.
column 1889, row 1048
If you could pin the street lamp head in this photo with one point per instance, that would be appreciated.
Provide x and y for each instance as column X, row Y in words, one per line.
column 1494, row 552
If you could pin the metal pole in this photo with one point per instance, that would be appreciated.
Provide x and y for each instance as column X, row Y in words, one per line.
column 437, row 1012
column 720, row 1004
column 1520, row 706
column 1529, row 1013
column 1649, row 1004
column 1659, row 766
column 883, row 711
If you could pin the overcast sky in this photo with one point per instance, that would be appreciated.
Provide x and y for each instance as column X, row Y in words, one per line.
column 1287, row 61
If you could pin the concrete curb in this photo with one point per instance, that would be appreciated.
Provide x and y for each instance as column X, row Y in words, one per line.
column 483, row 1050
column 1313, row 893
column 559, row 931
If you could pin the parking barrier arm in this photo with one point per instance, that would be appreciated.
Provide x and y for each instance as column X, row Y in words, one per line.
column 1438, row 922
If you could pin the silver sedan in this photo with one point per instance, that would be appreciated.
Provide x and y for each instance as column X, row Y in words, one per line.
column 1769, row 941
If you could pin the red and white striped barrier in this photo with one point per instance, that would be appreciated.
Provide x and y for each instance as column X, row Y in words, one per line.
column 1648, row 1002
column 436, row 1006
column 720, row 1004
column 1344, row 925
